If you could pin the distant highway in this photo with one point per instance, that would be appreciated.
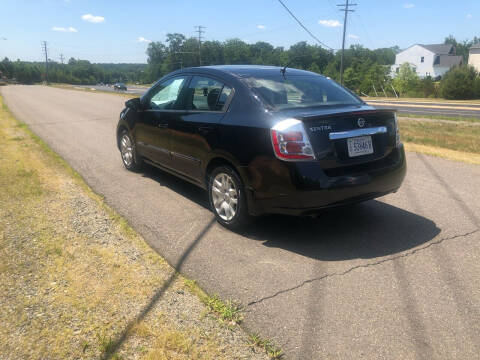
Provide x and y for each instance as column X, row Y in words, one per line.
column 429, row 108
column 131, row 89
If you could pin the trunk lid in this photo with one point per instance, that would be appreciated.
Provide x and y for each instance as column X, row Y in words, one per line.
column 332, row 149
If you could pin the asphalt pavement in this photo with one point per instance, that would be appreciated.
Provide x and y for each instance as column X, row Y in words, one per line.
column 393, row 278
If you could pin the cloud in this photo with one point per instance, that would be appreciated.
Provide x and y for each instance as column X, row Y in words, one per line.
column 93, row 19
column 408, row 5
column 469, row 16
column 141, row 39
column 330, row 23
column 353, row 36
column 261, row 27
column 62, row 29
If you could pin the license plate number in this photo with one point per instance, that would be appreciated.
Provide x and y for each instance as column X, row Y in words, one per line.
column 360, row 146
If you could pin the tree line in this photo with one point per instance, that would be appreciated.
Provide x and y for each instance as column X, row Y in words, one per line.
column 74, row 72
column 367, row 72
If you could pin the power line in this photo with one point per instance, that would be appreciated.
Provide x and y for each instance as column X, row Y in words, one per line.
column 200, row 32
column 303, row 26
column 45, row 51
column 61, row 58
column 346, row 10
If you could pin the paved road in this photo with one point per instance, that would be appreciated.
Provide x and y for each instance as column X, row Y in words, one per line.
column 396, row 278
column 430, row 108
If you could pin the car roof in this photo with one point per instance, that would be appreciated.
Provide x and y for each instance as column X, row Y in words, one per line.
column 247, row 70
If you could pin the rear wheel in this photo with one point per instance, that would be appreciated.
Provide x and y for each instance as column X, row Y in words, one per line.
column 127, row 150
column 227, row 198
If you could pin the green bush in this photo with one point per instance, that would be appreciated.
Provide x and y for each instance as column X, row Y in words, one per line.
column 459, row 83
column 477, row 88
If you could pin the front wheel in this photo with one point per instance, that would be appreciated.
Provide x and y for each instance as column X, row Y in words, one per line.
column 127, row 150
column 227, row 198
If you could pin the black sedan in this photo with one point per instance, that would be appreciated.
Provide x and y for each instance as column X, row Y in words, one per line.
column 263, row 140
column 120, row 87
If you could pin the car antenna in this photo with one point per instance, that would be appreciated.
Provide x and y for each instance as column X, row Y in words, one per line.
column 284, row 69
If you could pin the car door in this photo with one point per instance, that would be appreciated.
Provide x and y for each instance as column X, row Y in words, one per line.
column 162, row 106
column 195, row 133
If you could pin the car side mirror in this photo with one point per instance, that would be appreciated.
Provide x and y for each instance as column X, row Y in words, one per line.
column 134, row 104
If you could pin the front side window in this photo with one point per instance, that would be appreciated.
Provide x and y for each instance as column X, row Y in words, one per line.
column 298, row 91
column 206, row 94
column 422, row 59
column 166, row 95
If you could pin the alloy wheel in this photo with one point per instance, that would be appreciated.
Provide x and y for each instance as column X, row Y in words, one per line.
column 224, row 196
column 126, row 150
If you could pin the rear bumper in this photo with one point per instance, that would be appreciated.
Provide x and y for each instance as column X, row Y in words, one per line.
column 304, row 188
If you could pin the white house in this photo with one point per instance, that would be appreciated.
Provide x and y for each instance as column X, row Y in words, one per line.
column 474, row 56
column 428, row 60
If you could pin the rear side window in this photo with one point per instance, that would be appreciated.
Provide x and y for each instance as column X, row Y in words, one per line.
column 224, row 95
column 299, row 91
column 206, row 94
column 166, row 95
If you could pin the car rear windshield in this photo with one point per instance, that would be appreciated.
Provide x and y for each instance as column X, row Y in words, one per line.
column 298, row 91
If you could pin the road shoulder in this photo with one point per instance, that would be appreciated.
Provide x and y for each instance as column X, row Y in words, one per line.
column 78, row 282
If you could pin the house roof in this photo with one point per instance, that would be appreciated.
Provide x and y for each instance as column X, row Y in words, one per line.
column 450, row 60
column 476, row 46
column 439, row 49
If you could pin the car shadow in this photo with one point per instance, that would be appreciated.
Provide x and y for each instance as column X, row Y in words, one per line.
column 182, row 187
column 368, row 230
column 363, row 231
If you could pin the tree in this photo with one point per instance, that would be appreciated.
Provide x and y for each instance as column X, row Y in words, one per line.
column 236, row 51
column 459, row 83
column 427, row 87
column 462, row 48
column 351, row 79
column 314, row 68
column 406, row 82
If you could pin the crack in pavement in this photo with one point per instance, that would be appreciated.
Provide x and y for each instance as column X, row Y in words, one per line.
column 403, row 255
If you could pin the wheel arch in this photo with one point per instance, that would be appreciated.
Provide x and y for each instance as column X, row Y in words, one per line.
column 120, row 128
column 219, row 160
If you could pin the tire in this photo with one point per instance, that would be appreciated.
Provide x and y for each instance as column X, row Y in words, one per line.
column 227, row 198
column 130, row 159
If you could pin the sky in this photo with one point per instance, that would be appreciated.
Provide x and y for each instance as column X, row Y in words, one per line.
column 119, row 31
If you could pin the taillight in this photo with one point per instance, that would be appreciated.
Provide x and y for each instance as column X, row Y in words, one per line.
column 290, row 141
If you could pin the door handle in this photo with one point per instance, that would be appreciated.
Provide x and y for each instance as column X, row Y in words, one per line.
column 206, row 129
column 163, row 125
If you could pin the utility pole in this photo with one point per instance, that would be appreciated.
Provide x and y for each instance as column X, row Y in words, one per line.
column 45, row 51
column 200, row 32
column 61, row 58
column 346, row 10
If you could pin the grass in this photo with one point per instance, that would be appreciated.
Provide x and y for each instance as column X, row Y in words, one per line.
column 440, row 117
column 444, row 153
column 228, row 312
column 73, row 294
column 460, row 137
column 454, row 141
column 272, row 351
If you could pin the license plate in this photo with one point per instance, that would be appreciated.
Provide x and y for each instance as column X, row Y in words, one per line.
column 360, row 146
